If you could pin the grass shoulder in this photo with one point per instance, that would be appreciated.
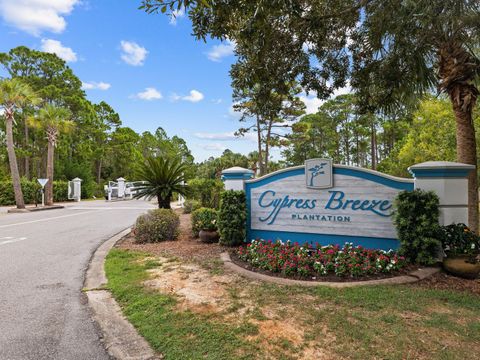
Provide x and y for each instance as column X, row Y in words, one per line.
column 253, row 320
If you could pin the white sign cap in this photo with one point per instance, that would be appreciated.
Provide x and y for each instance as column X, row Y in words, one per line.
column 42, row 182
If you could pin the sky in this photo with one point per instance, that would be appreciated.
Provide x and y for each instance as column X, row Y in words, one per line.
column 149, row 68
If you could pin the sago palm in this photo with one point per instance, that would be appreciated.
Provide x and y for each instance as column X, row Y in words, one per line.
column 14, row 95
column 54, row 121
column 163, row 177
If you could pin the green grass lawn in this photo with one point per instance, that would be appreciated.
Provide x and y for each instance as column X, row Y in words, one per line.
column 382, row 322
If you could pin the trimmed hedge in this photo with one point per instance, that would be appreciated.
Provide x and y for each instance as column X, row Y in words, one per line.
column 232, row 218
column 31, row 192
column 416, row 219
column 156, row 226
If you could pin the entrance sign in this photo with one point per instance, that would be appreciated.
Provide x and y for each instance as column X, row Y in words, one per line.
column 333, row 204
column 326, row 204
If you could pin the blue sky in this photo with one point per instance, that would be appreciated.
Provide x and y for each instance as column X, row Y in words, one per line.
column 148, row 67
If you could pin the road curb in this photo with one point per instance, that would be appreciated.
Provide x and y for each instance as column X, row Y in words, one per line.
column 34, row 209
column 412, row 277
column 121, row 339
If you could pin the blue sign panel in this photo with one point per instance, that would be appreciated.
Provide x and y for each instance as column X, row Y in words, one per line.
column 325, row 204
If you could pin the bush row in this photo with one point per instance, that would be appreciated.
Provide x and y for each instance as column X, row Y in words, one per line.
column 31, row 192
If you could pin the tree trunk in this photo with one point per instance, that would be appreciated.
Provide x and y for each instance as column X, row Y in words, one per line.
column 27, row 157
column 99, row 170
column 457, row 70
column 12, row 159
column 467, row 153
column 163, row 203
column 50, row 162
column 267, row 144
column 260, row 154
column 373, row 141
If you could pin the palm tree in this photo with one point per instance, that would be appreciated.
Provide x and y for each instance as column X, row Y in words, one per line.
column 14, row 94
column 163, row 177
column 54, row 120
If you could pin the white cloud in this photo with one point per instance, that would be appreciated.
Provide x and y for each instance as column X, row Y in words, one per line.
column 176, row 14
column 347, row 89
column 225, row 136
column 213, row 147
column 149, row 94
column 218, row 52
column 36, row 16
column 195, row 96
column 313, row 103
column 217, row 101
column 95, row 85
column 133, row 54
column 56, row 47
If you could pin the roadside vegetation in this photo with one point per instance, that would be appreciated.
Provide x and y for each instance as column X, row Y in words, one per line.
column 252, row 320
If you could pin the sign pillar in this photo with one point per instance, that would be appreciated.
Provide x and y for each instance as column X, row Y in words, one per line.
column 449, row 180
column 77, row 189
column 234, row 178
column 121, row 187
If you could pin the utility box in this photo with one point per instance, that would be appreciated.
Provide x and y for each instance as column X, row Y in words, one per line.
column 75, row 189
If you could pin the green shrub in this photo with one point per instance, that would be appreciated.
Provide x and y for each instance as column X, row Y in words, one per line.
column 30, row 189
column 190, row 205
column 232, row 218
column 156, row 226
column 204, row 219
column 31, row 192
column 206, row 191
column 458, row 239
column 416, row 220
column 60, row 191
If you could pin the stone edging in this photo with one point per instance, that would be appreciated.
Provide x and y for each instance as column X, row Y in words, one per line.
column 121, row 339
column 412, row 277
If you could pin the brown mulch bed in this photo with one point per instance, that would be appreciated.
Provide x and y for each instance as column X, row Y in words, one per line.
column 185, row 247
column 190, row 249
column 443, row 281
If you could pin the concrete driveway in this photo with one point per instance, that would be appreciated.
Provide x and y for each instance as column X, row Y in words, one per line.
column 43, row 258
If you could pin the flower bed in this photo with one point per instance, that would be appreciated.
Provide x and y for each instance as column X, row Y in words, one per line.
column 293, row 260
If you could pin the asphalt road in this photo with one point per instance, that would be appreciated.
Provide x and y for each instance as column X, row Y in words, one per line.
column 43, row 259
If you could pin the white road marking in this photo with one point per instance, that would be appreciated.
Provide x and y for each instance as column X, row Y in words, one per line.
column 109, row 208
column 6, row 238
column 47, row 219
column 12, row 241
